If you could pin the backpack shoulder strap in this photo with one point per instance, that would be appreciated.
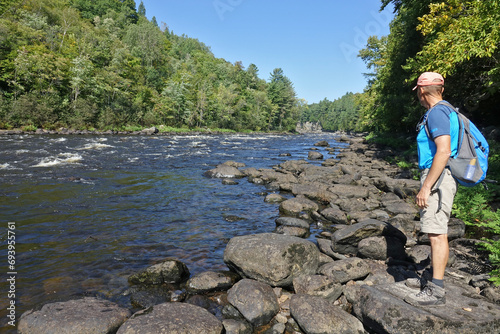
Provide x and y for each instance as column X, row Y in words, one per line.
column 442, row 102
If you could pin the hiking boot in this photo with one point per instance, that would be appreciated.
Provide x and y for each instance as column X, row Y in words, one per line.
column 430, row 295
column 419, row 282
column 416, row 282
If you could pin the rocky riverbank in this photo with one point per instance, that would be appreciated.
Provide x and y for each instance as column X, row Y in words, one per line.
column 347, row 278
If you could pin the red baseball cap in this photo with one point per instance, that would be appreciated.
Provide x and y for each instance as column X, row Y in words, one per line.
column 429, row 79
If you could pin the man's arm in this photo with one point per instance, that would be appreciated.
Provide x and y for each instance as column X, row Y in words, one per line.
column 443, row 152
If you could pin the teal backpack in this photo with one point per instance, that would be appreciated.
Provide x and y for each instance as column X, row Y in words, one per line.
column 470, row 164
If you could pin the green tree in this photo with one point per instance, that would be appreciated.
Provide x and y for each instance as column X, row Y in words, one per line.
column 282, row 94
column 462, row 39
column 141, row 10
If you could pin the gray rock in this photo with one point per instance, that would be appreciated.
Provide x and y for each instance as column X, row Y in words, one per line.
column 343, row 271
column 492, row 294
column 270, row 175
column 229, row 182
column 324, row 259
column 317, row 285
column 325, row 246
column 401, row 187
column 271, row 258
column 172, row 318
column 274, row 198
column 314, row 155
column 334, row 215
column 224, row 171
column 314, row 190
column 290, row 221
column 149, row 131
column 295, row 166
column 321, row 174
column 349, row 191
column 382, row 310
column 251, row 171
column 232, row 326
column 316, row 315
column 234, row 164
column 294, row 206
column 255, row 300
column 346, row 240
column 400, row 207
column 211, row 281
column 382, row 248
column 292, row 231
column 168, row 271
column 419, row 253
column 82, row 316
column 150, row 296
column 322, row 143
column 405, row 223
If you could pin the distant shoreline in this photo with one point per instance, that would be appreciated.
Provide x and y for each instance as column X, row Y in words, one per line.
column 147, row 131
column 123, row 132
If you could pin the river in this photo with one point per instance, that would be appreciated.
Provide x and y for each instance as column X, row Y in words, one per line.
column 88, row 211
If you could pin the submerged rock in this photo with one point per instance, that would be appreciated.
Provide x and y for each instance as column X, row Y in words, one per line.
column 168, row 271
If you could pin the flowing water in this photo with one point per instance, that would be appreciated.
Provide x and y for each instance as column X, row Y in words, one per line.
column 89, row 211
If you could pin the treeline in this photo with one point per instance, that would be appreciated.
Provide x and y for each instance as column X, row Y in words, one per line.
column 339, row 115
column 102, row 64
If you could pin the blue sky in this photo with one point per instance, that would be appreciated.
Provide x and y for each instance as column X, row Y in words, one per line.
column 314, row 42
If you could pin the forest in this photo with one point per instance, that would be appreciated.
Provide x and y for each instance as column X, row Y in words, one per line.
column 101, row 64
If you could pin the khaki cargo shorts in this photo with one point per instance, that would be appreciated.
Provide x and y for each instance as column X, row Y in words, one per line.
column 434, row 219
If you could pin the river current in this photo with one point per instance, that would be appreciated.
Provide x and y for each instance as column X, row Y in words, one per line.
column 89, row 211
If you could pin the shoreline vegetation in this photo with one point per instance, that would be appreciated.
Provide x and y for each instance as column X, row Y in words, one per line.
column 155, row 130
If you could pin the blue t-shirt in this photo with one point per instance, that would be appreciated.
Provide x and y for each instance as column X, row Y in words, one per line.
column 441, row 120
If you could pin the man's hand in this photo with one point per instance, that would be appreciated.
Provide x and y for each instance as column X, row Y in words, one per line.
column 422, row 197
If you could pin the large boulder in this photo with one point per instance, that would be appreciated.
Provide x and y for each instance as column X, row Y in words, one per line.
column 382, row 309
column 271, row 258
column 172, row 318
column 256, row 301
column 315, row 315
column 80, row 316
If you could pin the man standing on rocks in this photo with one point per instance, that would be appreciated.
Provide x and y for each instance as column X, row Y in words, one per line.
column 438, row 187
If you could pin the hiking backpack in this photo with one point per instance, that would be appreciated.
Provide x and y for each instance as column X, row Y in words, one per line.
column 470, row 164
